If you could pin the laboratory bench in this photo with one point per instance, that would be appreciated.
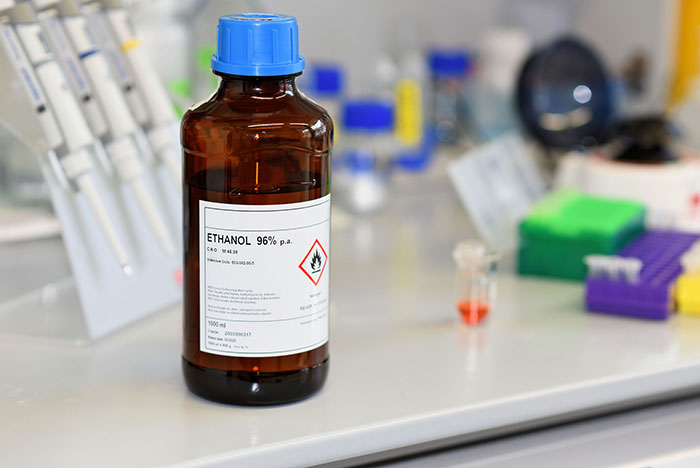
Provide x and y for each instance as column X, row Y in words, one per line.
column 405, row 375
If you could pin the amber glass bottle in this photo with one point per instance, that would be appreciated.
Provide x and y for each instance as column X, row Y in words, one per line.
column 256, row 223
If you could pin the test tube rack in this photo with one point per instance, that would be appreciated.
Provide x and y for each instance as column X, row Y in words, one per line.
column 650, row 294
column 567, row 225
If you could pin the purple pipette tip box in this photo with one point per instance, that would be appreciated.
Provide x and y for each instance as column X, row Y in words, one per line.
column 652, row 296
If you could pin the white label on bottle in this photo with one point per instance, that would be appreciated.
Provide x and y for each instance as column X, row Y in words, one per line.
column 263, row 277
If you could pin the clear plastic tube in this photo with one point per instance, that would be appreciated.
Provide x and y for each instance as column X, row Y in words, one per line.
column 476, row 280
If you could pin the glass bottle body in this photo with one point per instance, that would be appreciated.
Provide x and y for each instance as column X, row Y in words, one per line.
column 256, row 141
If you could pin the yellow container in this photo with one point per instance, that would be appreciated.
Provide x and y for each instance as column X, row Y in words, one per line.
column 688, row 294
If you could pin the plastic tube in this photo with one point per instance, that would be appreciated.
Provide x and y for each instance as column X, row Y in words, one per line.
column 631, row 268
column 596, row 265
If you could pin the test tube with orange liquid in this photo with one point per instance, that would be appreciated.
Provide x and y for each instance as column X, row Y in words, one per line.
column 476, row 280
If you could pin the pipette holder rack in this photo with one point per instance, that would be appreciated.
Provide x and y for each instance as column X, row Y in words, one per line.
column 651, row 297
column 79, row 288
column 71, row 289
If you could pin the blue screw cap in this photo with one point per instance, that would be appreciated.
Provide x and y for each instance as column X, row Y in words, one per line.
column 368, row 115
column 257, row 44
column 449, row 62
column 326, row 80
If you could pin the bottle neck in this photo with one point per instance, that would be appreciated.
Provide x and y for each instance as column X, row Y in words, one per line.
column 232, row 86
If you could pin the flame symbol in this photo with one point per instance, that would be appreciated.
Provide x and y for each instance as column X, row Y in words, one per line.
column 315, row 261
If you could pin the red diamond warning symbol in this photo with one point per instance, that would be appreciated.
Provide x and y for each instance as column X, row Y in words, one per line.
column 314, row 264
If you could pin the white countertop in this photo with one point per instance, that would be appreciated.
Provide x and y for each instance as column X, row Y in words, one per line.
column 403, row 371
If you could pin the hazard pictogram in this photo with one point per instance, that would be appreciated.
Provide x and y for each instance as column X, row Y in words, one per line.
column 314, row 264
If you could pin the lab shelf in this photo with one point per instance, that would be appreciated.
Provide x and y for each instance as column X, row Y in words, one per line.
column 404, row 372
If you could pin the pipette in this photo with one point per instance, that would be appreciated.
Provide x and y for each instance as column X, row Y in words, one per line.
column 162, row 117
column 62, row 122
column 30, row 84
column 98, row 25
column 74, row 74
column 120, row 138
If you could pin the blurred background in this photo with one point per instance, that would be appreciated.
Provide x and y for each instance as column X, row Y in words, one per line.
column 357, row 35
column 451, row 76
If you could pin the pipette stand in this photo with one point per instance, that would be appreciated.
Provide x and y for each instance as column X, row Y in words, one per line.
column 51, row 312
column 72, row 288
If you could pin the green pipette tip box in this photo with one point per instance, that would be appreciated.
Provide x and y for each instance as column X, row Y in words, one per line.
column 567, row 225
